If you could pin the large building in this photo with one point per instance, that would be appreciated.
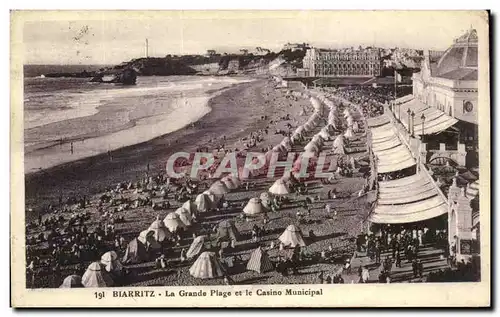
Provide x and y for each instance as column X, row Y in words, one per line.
column 338, row 63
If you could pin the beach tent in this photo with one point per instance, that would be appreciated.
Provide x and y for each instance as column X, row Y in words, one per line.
column 159, row 229
column 211, row 196
column 346, row 112
column 173, row 222
column 339, row 145
column 189, row 206
column 259, row 261
column 229, row 183
column 355, row 127
column 227, row 231
column 349, row 133
column 265, row 199
column 96, row 276
column 311, row 147
column 203, row 203
column 147, row 237
column 279, row 188
column 318, row 139
column 196, row 247
column 72, row 281
column 350, row 121
column 324, row 133
column 302, row 112
column 111, row 262
column 253, row 207
column 135, row 252
column 184, row 216
column 207, row 266
column 292, row 236
column 309, row 126
column 218, row 188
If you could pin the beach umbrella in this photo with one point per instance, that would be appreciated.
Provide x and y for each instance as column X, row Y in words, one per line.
column 292, row 236
column 72, row 281
column 207, row 266
column 96, row 276
column 279, row 188
column 260, row 261
column 203, row 203
column 196, row 247
column 253, row 207
column 159, row 229
column 173, row 222
column 184, row 216
column 111, row 262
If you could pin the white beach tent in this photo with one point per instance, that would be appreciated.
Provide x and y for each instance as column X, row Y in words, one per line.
column 253, row 207
column 207, row 266
column 203, row 203
column 184, row 216
column 173, row 222
column 189, row 206
column 96, row 276
column 160, row 232
column 339, row 145
column 72, row 281
column 292, row 236
column 111, row 262
column 349, row 133
column 279, row 188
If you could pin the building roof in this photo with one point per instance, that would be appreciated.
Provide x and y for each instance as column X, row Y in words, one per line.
column 459, row 61
column 409, row 199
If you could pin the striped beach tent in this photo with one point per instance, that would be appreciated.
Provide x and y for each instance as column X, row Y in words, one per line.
column 207, row 266
column 259, row 261
column 196, row 247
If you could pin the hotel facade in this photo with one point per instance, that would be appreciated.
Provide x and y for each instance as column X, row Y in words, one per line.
column 338, row 63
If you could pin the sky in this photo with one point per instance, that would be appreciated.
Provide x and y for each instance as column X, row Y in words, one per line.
column 100, row 37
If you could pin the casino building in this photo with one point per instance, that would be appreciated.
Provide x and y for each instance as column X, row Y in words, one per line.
column 338, row 63
column 435, row 125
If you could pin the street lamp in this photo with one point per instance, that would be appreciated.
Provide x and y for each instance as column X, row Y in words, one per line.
column 409, row 113
column 413, row 124
column 423, row 120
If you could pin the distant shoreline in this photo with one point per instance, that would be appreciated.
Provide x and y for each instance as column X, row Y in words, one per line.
column 91, row 175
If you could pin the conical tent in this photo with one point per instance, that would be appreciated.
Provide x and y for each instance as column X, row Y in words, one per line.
column 211, row 196
column 350, row 121
column 184, row 216
column 279, row 188
column 135, row 252
column 197, row 246
column 218, row 188
column 96, row 276
column 349, row 133
column 229, row 183
column 259, row 261
column 202, row 203
column 287, row 143
column 253, row 207
column 292, row 237
column 159, row 229
column 355, row 126
column 189, row 206
column 226, row 231
column 147, row 237
column 207, row 266
column 324, row 133
column 339, row 145
column 72, row 281
column 173, row 222
column 111, row 262
column 311, row 147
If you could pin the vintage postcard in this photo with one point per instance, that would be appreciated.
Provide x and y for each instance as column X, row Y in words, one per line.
column 250, row 159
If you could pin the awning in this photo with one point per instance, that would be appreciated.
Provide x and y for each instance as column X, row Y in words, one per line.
column 409, row 199
column 435, row 119
column 392, row 155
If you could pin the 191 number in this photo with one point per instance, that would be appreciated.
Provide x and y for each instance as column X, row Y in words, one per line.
column 99, row 295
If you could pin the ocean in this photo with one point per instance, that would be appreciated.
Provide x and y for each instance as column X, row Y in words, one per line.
column 67, row 119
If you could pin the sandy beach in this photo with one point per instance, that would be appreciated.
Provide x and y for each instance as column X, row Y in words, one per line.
column 236, row 112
